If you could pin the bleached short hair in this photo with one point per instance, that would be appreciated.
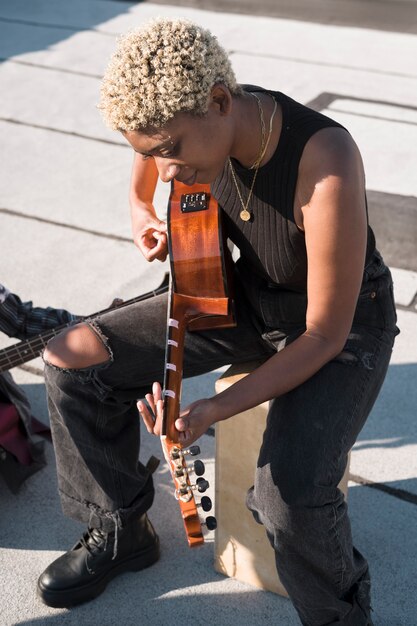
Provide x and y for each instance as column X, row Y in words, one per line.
column 165, row 67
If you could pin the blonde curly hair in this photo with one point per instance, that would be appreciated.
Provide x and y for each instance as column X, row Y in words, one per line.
column 160, row 69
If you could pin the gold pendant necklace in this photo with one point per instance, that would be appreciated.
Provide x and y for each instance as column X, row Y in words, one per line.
column 245, row 215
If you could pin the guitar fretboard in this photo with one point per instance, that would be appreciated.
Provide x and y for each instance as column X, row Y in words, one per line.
column 26, row 350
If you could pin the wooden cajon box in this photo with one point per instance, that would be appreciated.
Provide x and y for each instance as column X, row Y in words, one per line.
column 242, row 550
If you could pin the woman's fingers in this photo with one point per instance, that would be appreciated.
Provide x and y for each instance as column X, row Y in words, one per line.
column 157, row 392
column 152, row 415
column 148, row 418
column 157, row 246
column 191, row 423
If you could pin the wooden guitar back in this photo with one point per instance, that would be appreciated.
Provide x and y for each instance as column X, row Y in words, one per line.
column 199, row 300
column 200, row 259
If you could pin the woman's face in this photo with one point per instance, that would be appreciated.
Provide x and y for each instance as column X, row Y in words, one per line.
column 191, row 149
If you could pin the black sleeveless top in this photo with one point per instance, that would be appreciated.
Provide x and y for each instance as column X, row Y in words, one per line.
column 270, row 244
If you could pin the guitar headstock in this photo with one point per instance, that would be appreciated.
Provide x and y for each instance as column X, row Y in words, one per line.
column 185, row 490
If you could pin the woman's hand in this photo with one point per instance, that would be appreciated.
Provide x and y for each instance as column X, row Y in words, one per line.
column 193, row 421
column 150, row 235
column 152, row 418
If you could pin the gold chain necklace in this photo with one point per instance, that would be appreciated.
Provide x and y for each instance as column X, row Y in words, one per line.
column 245, row 214
column 263, row 133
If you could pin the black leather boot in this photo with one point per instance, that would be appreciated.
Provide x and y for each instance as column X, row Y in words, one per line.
column 83, row 572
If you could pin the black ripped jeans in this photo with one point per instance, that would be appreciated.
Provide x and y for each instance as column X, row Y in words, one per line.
column 309, row 432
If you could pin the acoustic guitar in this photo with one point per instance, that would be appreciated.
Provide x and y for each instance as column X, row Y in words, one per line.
column 198, row 300
column 28, row 349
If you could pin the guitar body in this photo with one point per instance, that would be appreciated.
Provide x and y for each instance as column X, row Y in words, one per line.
column 199, row 300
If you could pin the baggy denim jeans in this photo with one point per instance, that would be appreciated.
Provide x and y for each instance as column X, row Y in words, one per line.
column 309, row 432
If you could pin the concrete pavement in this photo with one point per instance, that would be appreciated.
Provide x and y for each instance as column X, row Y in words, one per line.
column 65, row 241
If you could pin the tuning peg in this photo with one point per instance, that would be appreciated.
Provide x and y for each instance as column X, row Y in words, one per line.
column 210, row 523
column 205, row 504
column 192, row 450
column 202, row 484
column 198, row 468
column 176, row 452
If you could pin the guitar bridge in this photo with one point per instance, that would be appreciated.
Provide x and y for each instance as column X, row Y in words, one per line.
column 194, row 202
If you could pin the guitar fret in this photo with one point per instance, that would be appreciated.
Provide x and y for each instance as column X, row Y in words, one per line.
column 173, row 323
column 171, row 366
column 170, row 393
column 8, row 359
column 172, row 342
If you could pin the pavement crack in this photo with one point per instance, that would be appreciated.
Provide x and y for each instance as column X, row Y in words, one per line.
column 70, row 133
column 40, row 66
column 400, row 494
column 69, row 27
column 37, row 371
column 339, row 66
column 79, row 229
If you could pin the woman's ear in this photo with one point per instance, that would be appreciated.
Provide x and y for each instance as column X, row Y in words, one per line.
column 221, row 99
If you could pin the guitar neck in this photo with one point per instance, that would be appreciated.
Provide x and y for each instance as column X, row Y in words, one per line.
column 174, row 356
column 172, row 449
column 26, row 350
column 29, row 349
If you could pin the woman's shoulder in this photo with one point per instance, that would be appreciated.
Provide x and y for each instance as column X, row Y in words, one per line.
column 332, row 147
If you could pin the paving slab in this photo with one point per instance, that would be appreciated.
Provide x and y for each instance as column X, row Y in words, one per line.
column 383, row 528
column 405, row 284
column 56, row 100
column 68, row 180
column 75, row 15
column 72, row 269
column 83, row 52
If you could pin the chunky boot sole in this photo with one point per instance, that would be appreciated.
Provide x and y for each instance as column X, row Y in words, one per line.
column 63, row 598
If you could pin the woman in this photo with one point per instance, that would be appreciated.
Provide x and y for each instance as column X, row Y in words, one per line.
column 313, row 300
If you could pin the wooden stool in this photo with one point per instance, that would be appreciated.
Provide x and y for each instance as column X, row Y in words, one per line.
column 242, row 549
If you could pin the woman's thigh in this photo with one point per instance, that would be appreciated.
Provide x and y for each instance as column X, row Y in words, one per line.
column 136, row 340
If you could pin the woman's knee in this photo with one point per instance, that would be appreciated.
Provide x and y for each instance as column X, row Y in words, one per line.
column 76, row 347
column 292, row 486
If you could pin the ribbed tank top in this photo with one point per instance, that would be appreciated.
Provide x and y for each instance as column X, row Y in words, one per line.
column 271, row 245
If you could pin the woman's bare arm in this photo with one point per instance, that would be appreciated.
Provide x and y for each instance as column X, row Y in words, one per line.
column 149, row 232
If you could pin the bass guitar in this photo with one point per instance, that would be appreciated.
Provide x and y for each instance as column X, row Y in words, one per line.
column 28, row 349
column 198, row 300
